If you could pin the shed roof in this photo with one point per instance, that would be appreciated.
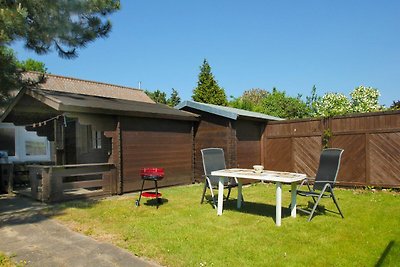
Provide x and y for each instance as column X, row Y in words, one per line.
column 64, row 102
column 84, row 87
column 227, row 112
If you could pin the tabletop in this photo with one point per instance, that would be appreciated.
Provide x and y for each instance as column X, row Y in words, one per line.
column 266, row 175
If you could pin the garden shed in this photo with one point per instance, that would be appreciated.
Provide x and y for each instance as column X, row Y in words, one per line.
column 99, row 140
column 239, row 132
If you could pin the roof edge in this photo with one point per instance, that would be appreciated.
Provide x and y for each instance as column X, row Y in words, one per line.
column 83, row 80
column 199, row 106
column 12, row 104
column 233, row 113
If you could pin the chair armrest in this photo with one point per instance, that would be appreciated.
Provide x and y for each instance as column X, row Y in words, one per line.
column 306, row 181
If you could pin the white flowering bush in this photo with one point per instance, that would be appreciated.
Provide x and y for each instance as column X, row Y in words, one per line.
column 365, row 99
column 332, row 104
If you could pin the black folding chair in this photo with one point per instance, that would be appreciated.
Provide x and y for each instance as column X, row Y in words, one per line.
column 213, row 160
column 325, row 179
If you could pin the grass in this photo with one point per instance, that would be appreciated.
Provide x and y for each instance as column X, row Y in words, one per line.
column 6, row 261
column 184, row 233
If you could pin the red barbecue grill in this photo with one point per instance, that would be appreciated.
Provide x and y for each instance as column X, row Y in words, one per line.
column 151, row 174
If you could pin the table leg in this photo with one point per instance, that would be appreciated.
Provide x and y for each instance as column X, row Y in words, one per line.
column 293, row 203
column 239, row 197
column 220, row 195
column 278, row 216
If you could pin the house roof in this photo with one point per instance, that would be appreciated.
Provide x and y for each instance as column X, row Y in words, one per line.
column 70, row 103
column 84, row 87
column 227, row 112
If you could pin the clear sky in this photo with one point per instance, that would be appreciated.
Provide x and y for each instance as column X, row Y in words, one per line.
column 291, row 45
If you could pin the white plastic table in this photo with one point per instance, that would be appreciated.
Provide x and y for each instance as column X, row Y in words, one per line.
column 270, row 176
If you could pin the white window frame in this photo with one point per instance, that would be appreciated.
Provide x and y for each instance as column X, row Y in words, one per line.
column 96, row 139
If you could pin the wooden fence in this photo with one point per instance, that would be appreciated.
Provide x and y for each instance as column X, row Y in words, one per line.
column 371, row 144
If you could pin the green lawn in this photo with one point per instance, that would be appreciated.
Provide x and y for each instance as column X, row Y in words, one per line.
column 6, row 261
column 184, row 233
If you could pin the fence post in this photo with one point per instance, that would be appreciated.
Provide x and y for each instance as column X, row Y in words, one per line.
column 45, row 185
column 33, row 178
column 367, row 163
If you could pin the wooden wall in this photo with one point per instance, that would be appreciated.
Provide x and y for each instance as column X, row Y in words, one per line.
column 248, row 136
column 240, row 140
column 213, row 131
column 371, row 145
column 115, row 158
column 155, row 143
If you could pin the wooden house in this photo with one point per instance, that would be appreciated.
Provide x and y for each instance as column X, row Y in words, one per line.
column 102, row 130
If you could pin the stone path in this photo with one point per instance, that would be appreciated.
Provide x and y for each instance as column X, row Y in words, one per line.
column 41, row 241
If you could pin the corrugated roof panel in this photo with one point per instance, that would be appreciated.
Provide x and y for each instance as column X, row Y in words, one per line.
column 227, row 112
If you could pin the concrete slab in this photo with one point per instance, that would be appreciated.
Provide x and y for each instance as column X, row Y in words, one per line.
column 41, row 241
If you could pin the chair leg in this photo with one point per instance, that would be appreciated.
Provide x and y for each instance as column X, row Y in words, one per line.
column 315, row 206
column 212, row 195
column 204, row 192
column 229, row 193
column 337, row 205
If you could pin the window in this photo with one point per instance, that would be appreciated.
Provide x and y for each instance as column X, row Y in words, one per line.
column 89, row 138
column 23, row 145
column 7, row 140
column 96, row 139
column 35, row 148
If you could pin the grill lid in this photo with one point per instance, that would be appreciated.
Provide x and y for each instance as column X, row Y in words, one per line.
column 152, row 172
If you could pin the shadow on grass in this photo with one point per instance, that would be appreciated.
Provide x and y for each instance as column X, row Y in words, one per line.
column 153, row 202
column 264, row 209
column 387, row 252
column 320, row 210
column 255, row 208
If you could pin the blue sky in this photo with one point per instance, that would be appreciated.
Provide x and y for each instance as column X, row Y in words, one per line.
column 291, row 45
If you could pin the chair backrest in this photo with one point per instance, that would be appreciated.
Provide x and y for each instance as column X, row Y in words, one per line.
column 329, row 163
column 213, row 160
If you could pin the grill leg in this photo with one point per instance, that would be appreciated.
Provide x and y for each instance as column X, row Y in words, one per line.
column 157, row 199
column 140, row 195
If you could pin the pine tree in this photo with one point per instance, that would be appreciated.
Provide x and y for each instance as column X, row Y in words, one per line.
column 174, row 98
column 47, row 25
column 207, row 90
column 61, row 25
